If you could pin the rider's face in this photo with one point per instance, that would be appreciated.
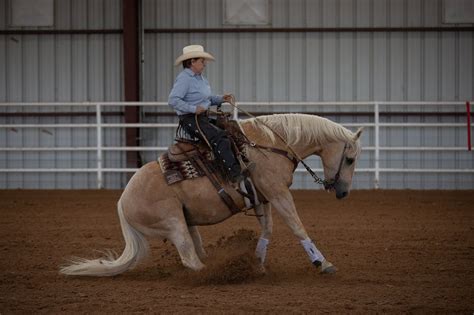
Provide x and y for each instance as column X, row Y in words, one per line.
column 198, row 65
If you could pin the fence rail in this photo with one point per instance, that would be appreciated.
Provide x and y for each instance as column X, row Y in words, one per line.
column 99, row 127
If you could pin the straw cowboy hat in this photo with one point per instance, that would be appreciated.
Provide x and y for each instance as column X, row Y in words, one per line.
column 193, row 51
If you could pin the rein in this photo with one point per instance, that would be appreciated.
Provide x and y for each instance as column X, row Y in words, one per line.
column 331, row 184
column 292, row 155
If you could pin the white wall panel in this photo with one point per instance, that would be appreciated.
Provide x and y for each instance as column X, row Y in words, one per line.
column 431, row 69
column 14, row 66
column 46, row 66
column 347, row 68
column 413, row 73
column 325, row 66
column 449, row 57
column 3, row 14
column 314, row 55
column 466, row 66
column 263, row 67
column 60, row 68
column 363, row 59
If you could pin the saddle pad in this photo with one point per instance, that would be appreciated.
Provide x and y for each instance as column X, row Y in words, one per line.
column 178, row 171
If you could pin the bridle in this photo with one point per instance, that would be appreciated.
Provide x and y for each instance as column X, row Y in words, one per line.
column 331, row 183
column 328, row 184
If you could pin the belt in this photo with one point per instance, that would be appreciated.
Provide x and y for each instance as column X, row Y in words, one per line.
column 192, row 115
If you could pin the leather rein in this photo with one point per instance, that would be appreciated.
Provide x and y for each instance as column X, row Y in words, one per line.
column 293, row 156
column 328, row 184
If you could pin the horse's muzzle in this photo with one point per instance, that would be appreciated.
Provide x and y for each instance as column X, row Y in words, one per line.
column 342, row 190
column 341, row 194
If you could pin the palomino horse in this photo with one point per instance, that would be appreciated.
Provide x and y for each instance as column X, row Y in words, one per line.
column 149, row 207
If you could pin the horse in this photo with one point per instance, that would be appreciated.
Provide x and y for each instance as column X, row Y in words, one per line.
column 150, row 207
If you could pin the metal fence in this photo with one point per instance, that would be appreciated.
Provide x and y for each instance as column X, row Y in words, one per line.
column 349, row 109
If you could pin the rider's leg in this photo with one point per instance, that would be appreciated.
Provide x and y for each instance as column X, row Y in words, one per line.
column 218, row 140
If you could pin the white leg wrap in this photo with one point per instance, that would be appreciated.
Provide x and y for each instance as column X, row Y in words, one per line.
column 261, row 250
column 313, row 253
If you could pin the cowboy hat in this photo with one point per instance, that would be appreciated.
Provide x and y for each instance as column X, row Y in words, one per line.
column 193, row 51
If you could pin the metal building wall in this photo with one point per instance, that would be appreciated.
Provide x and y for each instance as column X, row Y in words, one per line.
column 56, row 68
column 327, row 66
column 317, row 66
column 305, row 66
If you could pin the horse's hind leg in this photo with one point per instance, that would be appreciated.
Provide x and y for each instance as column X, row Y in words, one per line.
column 154, row 209
column 193, row 230
column 182, row 240
column 165, row 219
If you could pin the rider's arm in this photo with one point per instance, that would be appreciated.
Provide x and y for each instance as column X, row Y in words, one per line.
column 177, row 94
column 217, row 99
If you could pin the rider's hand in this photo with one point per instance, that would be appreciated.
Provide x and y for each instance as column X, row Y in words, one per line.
column 227, row 97
column 200, row 110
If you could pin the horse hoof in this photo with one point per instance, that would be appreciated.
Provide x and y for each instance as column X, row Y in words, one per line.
column 261, row 270
column 202, row 255
column 328, row 268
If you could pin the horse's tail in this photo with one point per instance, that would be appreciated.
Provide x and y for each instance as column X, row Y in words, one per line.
column 136, row 247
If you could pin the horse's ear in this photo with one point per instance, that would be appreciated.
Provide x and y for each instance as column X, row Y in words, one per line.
column 358, row 133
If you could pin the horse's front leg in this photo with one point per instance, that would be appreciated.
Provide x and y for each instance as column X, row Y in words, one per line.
column 285, row 206
column 264, row 215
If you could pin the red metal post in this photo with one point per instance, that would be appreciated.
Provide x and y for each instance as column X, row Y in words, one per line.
column 131, row 75
column 468, row 111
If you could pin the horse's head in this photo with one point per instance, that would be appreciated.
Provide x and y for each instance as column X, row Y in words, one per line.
column 339, row 160
column 338, row 147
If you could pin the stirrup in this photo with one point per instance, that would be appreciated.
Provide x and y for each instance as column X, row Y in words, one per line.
column 248, row 168
column 238, row 179
column 248, row 191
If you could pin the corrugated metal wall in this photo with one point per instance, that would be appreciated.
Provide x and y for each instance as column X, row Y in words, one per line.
column 306, row 66
column 317, row 66
column 348, row 66
column 61, row 68
column 64, row 67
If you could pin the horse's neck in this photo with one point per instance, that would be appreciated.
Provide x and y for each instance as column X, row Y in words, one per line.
column 303, row 150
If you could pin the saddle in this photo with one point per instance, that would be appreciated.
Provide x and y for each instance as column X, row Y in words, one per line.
column 187, row 159
column 182, row 151
column 180, row 162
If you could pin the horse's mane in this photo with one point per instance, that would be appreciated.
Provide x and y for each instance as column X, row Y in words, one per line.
column 297, row 128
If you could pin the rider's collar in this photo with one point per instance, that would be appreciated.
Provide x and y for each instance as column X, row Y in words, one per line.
column 191, row 72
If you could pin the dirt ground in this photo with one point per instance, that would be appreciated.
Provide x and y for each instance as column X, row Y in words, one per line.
column 397, row 251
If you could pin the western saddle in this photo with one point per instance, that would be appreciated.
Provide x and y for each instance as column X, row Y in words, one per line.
column 188, row 158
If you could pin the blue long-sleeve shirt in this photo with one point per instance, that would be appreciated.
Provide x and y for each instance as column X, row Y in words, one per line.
column 189, row 91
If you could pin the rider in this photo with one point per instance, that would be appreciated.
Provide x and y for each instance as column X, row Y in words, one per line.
column 191, row 95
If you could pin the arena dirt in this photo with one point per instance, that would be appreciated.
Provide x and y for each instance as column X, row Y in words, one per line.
column 397, row 251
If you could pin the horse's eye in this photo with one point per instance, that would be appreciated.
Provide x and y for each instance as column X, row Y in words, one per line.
column 349, row 161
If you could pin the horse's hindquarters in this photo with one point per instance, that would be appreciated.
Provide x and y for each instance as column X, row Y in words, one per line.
column 149, row 202
column 202, row 204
